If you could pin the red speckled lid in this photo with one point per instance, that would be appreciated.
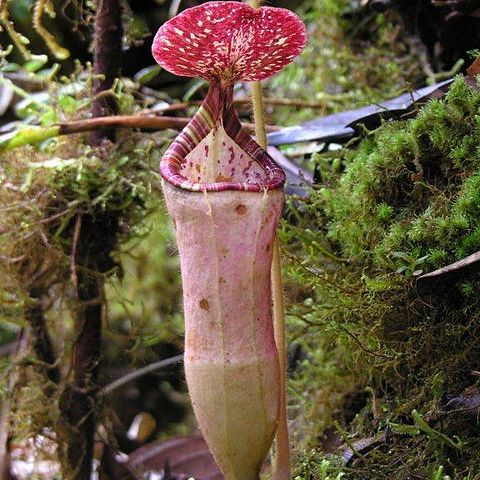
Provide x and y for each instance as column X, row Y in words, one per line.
column 229, row 41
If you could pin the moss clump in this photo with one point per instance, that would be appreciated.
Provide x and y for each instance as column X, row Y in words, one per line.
column 46, row 197
column 145, row 300
column 43, row 193
column 380, row 358
column 413, row 188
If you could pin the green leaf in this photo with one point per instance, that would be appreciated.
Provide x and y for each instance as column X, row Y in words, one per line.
column 147, row 74
column 438, row 474
column 426, row 428
column 421, row 259
column 68, row 104
column 27, row 136
column 401, row 255
column 401, row 429
column 35, row 63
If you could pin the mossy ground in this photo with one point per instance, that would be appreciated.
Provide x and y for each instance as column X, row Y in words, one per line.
column 378, row 356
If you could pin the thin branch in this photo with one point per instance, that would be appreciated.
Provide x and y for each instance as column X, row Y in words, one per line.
column 73, row 256
column 134, row 121
column 122, row 121
column 34, row 135
column 280, row 102
column 363, row 347
column 139, row 373
column 40, row 337
column 450, row 274
column 320, row 277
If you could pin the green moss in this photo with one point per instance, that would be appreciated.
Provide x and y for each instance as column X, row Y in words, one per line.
column 413, row 187
column 407, row 202
column 44, row 191
column 145, row 300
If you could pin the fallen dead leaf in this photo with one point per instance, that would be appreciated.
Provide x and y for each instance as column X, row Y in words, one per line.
column 184, row 456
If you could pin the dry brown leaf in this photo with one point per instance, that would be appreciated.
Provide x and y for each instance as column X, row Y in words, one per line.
column 185, row 456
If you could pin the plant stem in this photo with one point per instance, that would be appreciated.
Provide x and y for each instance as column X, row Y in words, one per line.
column 106, row 62
column 34, row 135
column 282, row 452
column 259, row 114
column 40, row 337
column 92, row 243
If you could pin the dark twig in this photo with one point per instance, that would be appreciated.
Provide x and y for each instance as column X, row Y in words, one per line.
column 363, row 347
column 132, row 121
column 40, row 337
column 79, row 402
column 119, row 382
column 106, row 62
column 73, row 255
column 450, row 274
column 453, row 3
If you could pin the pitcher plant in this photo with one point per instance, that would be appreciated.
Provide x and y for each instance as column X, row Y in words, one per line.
column 225, row 196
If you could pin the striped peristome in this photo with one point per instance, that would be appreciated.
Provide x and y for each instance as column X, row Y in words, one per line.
column 217, row 108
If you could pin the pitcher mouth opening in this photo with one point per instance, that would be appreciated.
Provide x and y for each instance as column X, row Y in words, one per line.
column 215, row 153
